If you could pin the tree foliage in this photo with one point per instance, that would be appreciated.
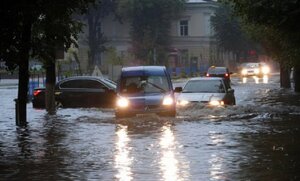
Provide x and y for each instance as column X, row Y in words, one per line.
column 95, row 37
column 34, row 29
column 230, row 35
column 275, row 24
column 150, row 22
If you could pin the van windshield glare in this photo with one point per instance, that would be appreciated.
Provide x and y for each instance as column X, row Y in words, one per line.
column 144, row 84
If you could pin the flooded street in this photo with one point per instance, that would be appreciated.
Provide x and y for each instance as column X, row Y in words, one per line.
column 258, row 139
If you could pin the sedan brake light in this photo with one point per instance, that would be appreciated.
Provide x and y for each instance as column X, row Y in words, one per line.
column 36, row 92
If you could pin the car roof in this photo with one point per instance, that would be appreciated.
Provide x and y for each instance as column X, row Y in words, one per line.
column 215, row 70
column 101, row 79
column 82, row 77
column 143, row 70
column 206, row 78
column 214, row 67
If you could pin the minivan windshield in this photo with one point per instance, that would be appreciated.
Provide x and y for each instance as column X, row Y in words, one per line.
column 144, row 84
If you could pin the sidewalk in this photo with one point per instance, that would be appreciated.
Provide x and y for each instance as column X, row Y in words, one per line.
column 9, row 82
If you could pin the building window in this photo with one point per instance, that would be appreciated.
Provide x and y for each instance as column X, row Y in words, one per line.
column 184, row 27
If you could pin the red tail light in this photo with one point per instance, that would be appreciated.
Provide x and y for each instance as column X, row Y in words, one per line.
column 207, row 75
column 36, row 92
column 226, row 75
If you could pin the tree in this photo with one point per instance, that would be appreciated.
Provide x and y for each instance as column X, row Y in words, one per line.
column 95, row 38
column 276, row 25
column 230, row 35
column 56, row 28
column 150, row 22
column 34, row 29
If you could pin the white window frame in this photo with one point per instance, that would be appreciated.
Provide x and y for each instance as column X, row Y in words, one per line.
column 184, row 28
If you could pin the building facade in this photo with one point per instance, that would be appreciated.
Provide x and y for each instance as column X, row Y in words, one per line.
column 193, row 48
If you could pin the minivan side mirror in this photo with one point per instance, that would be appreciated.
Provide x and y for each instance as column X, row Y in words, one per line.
column 230, row 90
column 178, row 89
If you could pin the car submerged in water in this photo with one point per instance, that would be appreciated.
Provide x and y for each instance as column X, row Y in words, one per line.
column 79, row 91
column 145, row 90
column 211, row 91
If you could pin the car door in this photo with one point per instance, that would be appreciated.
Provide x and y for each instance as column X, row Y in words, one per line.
column 96, row 93
column 71, row 93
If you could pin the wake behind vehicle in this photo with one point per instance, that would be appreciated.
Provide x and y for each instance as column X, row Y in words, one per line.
column 79, row 91
column 143, row 90
column 212, row 91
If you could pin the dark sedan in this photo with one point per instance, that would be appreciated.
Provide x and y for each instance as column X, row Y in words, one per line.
column 219, row 72
column 80, row 91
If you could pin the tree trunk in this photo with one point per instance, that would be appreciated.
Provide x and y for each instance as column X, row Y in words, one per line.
column 50, row 87
column 284, row 78
column 21, row 102
column 297, row 78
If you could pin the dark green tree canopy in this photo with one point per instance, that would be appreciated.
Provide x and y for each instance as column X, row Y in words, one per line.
column 95, row 38
column 275, row 24
column 52, row 23
column 229, row 32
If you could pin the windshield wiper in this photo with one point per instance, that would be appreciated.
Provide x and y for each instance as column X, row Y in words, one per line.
column 156, row 86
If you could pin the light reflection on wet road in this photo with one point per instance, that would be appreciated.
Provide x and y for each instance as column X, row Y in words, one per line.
column 255, row 140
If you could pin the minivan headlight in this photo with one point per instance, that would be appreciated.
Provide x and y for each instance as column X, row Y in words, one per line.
column 122, row 102
column 183, row 102
column 168, row 100
column 216, row 103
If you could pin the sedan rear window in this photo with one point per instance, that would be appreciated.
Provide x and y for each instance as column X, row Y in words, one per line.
column 217, row 70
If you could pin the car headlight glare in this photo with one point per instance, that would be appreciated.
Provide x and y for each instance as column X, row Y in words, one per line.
column 244, row 71
column 183, row 102
column 216, row 103
column 265, row 70
column 168, row 100
column 122, row 102
column 256, row 71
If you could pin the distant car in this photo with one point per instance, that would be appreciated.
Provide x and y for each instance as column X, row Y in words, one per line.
column 80, row 91
column 223, row 72
column 144, row 90
column 208, row 90
column 254, row 69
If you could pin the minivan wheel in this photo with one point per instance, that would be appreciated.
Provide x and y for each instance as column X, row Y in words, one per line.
column 121, row 115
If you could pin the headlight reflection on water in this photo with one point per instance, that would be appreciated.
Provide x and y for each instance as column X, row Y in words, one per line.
column 264, row 79
column 122, row 160
column 216, row 161
column 169, row 163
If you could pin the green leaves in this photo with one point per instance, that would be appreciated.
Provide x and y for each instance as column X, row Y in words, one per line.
column 276, row 25
column 229, row 32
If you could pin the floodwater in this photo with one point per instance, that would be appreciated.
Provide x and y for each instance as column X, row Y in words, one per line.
column 258, row 139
